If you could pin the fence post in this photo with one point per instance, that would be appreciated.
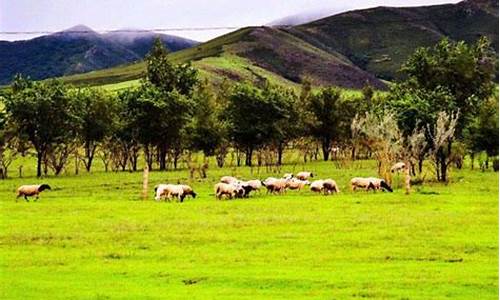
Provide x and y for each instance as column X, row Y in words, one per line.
column 145, row 179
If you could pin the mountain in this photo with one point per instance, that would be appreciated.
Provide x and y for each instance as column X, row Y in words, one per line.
column 348, row 49
column 380, row 39
column 302, row 18
column 78, row 49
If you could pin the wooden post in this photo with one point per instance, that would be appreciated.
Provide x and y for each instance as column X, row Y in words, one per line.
column 407, row 177
column 145, row 179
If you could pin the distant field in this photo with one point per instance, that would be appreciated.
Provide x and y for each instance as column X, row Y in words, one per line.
column 92, row 238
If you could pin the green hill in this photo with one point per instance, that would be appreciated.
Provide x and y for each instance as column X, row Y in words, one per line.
column 347, row 50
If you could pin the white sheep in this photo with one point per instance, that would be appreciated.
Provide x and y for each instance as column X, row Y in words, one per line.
column 370, row 183
column 228, row 179
column 31, row 190
column 304, row 175
column 228, row 190
column 397, row 167
column 317, row 186
column 275, row 185
column 330, row 186
column 297, row 184
column 287, row 176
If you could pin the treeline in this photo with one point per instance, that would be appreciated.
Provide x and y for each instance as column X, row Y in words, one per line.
column 443, row 110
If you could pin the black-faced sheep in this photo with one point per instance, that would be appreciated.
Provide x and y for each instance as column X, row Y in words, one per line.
column 297, row 184
column 275, row 185
column 228, row 190
column 173, row 190
column 370, row 183
column 31, row 190
column 317, row 186
column 228, row 179
column 397, row 167
column 304, row 175
column 330, row 186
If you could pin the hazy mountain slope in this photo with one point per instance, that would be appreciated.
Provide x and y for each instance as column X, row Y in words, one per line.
column 348, row 49
column 380, row 39
column 76, row 50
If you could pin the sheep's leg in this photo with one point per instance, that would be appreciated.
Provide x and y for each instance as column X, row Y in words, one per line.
column 26, row 198
column 181, row 198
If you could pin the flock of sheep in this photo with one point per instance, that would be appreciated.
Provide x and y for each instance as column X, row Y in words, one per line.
column 231, row 187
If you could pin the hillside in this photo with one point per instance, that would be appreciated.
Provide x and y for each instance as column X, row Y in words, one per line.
column 379, row 40
column 347, row 50
column 77, row 50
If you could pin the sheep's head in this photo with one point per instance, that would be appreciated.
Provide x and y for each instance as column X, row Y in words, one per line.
column 44, row 187
column 193, row 194
column 385, row 186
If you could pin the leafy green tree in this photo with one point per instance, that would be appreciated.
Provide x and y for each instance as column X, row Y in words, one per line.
column 166, row 76
column 207, row 130
column 465, row 72
column 159, row 118
column 329, row 119
column 43, row 114
column 252, row 118
column 96, row 113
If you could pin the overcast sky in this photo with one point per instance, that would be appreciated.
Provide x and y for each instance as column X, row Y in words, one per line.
column 54, row 15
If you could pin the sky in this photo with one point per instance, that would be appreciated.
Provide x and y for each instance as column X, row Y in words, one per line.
column 102, row 15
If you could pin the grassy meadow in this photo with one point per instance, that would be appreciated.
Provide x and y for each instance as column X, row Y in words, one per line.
column 91, row 237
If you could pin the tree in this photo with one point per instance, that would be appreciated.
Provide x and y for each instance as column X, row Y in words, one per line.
column 252, row 118
column 8, row 150
column 159, row 117
column 206, row 131
column 442, row 136
column 329, row 117
column 43, row 114
column 96, row 114
column 380, row 133
column 465, row 72
column 161, row 73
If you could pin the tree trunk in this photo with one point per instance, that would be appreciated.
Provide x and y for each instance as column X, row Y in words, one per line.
column 280, row 153
column 89, row 154
column 353, row 153
column 248, row 158
column 472, row 161
column 325, row 145
column 39, row 163
column 163, row 157
column 420, row 165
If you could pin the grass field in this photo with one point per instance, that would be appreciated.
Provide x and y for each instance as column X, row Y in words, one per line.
column 92, row 238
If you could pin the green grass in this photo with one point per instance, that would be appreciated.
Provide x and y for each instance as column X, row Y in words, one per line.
column 92, row 238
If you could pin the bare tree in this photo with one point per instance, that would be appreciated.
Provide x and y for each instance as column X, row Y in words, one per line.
column 442, row 139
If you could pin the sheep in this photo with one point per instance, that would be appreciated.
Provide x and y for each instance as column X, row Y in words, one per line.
column 297, row 184
column 275, row 185
column 317, row 186
column 288, row 176
column 228, row 179
column 255, row 184
column 330, row 186
column 162, row 190
column 397, row 167
column 304, row 175
column 187, row 191
column 229, row 190
column 248, row 186
column 369, row 183
column 31, row 190
column 379, row 184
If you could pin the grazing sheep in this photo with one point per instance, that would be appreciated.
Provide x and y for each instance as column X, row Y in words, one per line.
column 228, row 179
column 187, row 191
column 397, row 167
column 288, row 176
column 369, row 183
column 162, row 191
column 379, row 184
column 31, row 190
column 304, row 175
column 317, row 186
column 275, row 185
column 229, row 190
column 255, row 184
column 330, row 186
column 297, row 184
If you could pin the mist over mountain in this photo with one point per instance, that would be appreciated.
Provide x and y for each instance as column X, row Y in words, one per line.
column 78, row 49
